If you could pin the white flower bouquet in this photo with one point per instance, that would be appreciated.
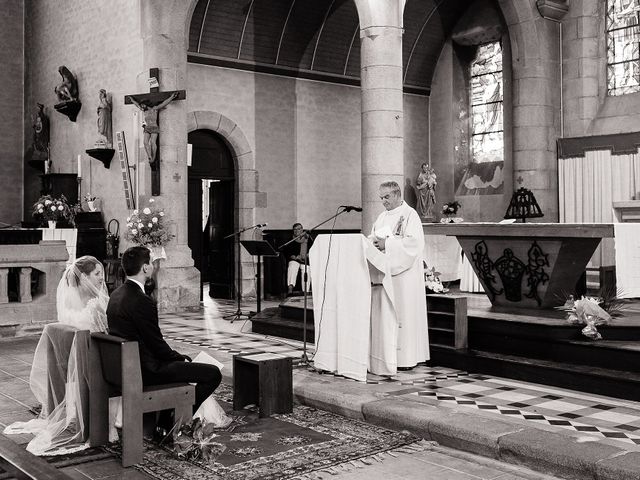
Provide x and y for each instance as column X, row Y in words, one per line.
column 147, row 227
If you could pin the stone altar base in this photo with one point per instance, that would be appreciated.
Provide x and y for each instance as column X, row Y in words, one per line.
column 178, row 282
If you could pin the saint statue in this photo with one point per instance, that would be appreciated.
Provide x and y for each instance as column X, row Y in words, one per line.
column 150, row 125
column 426, row 186
column 41, row 134
column 104, row 120
column 67, row 91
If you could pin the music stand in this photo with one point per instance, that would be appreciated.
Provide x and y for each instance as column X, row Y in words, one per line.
column 259, row 248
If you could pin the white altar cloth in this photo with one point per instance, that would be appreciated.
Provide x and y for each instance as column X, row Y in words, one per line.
column 342, row 303
column 627, row 259
column 445, row 255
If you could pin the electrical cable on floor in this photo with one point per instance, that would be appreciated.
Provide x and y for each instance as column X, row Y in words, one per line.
column 324, row 287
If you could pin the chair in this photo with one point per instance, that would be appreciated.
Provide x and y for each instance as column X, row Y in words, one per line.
column 115, row 370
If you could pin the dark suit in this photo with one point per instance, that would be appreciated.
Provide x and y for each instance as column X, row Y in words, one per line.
column 133, row 315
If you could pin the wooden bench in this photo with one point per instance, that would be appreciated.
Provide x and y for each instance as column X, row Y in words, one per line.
column 265, row 380
column 115, row 370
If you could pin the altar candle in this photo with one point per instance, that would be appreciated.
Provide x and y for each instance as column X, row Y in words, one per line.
column 79, row 166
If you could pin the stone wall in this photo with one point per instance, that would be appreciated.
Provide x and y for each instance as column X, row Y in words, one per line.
column 587, row 108
column 11, row 109
column 305, row 137
column 100, row 43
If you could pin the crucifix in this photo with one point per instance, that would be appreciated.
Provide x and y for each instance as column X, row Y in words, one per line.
column 150, row 104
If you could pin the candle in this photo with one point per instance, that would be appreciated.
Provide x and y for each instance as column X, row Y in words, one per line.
column 79, row 166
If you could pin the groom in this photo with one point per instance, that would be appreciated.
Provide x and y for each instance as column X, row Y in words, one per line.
column 133, row 315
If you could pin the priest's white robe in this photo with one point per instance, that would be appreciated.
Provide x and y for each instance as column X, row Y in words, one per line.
column 404, row 255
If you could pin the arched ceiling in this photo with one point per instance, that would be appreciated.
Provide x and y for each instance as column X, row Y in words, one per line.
column 316, row 39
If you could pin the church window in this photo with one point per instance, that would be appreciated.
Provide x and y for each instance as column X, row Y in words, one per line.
column 623, row 52
column 487, row 136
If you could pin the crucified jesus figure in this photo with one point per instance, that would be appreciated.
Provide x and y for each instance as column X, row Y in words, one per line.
column 150, row 124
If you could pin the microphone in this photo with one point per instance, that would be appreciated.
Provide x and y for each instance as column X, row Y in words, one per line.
column 260, row 225
column 348, row 208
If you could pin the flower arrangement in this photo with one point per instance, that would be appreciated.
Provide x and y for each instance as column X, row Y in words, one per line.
column 53, row 209
column 146, row 227
column 593, row 311
column 449, row 211
column 432, row 281
column 451, row 208
column 90, row 198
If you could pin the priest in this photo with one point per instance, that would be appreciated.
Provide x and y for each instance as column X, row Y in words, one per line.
column 398, row 234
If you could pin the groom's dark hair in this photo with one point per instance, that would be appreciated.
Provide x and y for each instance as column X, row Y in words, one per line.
column 134, row 258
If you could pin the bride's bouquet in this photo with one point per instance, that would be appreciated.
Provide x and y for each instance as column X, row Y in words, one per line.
column 147, row 227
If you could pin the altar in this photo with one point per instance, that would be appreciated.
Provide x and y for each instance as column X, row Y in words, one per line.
column 526, row 265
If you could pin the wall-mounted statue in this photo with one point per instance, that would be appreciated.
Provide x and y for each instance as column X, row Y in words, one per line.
column 67, row 93
column 41, row 134
column 104, row 120
column 426, row 186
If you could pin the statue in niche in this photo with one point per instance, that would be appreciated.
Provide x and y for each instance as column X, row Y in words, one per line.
column 104, row 120
column 41, row 134
column 426, row 185
column 67, row 92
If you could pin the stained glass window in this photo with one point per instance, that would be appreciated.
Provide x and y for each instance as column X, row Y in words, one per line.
column 623, row 54
column 487, row 140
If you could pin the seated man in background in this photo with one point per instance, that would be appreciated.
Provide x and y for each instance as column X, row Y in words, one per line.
column 297, row 253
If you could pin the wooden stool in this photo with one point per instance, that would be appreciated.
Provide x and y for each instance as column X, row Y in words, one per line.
column 263, row 379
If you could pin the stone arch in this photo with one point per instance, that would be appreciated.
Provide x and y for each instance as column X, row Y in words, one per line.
column 247, row 194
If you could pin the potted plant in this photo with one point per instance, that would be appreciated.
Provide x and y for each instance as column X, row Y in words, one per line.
column 53, row 209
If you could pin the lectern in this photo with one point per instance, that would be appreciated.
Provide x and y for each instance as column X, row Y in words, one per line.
column 259, row 248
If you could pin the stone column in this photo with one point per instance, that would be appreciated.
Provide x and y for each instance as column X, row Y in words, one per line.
column 4, row 285
column 164, row 45
column 534, row 33
column 24, row 293
column 382, row 110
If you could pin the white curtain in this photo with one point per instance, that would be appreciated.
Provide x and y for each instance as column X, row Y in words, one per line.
column 588, row 187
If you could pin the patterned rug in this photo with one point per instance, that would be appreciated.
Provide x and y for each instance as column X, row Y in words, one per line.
column 281, row 447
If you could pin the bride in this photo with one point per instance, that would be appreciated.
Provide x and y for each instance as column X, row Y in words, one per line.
column 62, row 426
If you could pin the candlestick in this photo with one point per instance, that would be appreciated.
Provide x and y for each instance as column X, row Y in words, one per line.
column 79, row 166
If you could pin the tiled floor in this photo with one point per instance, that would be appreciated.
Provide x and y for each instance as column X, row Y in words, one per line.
column 598, row 418
column 595, row 418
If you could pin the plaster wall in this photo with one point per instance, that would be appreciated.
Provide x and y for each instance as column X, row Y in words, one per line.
column 305, row 136
column 11, row 110
column 100, row 43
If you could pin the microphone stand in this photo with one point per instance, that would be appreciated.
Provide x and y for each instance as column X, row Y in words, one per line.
column 304, row 360
column 238, row 315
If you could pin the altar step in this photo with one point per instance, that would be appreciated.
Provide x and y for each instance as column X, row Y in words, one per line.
column 286, row 320
column 539, row 347
column 582, row 378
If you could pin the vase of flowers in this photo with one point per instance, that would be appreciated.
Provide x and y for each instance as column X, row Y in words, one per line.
column 450, row 212
column 92, row 202
column 52, row 210
column 147, row 227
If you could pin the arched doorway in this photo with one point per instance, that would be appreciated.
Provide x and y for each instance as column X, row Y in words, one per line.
column 211, row 211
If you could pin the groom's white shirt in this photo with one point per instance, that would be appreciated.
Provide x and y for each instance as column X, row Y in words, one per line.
column 139, row 284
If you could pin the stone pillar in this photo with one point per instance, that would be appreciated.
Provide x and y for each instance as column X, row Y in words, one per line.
column 4, row 285
column 382, row 109
column 536, row 97
column 164, row 46
column 24, row 294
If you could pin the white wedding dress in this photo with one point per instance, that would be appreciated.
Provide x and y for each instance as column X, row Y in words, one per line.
column 62, row 426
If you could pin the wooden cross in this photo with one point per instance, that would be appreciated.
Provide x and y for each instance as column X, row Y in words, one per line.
column 151, row 103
